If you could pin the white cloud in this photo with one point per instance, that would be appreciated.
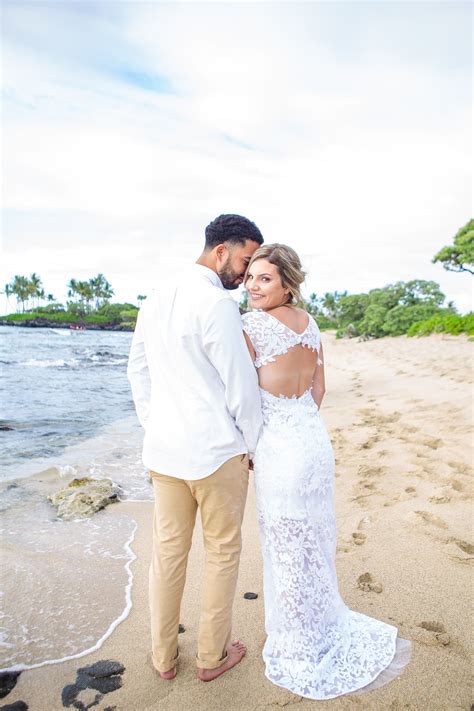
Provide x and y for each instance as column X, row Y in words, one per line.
column 343, row 130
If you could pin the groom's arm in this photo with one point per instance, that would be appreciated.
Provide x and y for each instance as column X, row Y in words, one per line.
column 225, row 347
column 138, row 373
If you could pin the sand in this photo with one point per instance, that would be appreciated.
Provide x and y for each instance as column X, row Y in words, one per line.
column 399, row 414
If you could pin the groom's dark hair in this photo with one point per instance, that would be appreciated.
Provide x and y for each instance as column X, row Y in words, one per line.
column 231, row 228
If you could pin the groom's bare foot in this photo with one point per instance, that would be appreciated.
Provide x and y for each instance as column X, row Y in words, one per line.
column 235, row 653
column 168, row 675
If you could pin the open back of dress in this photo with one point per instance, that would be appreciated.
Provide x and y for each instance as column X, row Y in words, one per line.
column 290, row 358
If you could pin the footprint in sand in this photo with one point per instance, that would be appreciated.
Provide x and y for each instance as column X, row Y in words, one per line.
column 365, row 489
column 460, row 467
column 430, row 518
column 366, row 470
column 409, row 493
column 370, row 442
column 461, row 551
column 464, row 546
column 359, row 538
column 440, row 496
column 367, row 583
column 342, row 549
column 103, row 676
column 390, row 418
column 411, row 429
column 431, row 442
column 439, row 636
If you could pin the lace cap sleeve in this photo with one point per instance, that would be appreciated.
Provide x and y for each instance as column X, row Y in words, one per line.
column 252, row 324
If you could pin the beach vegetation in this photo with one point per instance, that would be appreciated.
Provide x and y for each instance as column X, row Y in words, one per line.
column 459, row 256
column 90, row 295
column 451, row 323
column 25, row 289
column 386, row 311
column 88, row 304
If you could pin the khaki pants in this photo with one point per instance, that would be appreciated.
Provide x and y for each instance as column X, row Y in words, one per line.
column 221, row 499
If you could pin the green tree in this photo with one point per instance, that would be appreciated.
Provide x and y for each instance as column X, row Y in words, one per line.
column 101, row 290
column 459, row 257
column 72, row 289
column 373, row 321
column 8, row 292
column 399, row 319
column 35, row 287
column 244, row 302
column 419, row 291
column 351, row 309
column 20, row 288
column 330, row 304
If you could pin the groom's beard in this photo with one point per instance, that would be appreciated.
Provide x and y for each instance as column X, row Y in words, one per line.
column 230, row 279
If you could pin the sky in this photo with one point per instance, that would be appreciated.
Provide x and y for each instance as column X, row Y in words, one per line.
column 340, row 128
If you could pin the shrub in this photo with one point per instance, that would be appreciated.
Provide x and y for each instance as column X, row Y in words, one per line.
column 400, row 318
column 446, row 323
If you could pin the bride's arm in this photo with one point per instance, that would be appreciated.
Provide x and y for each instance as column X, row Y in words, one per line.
column 318, row 389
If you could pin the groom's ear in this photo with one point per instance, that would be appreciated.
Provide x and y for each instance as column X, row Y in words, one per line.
column 220, row 251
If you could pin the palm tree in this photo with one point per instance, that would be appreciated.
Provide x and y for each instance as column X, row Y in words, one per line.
column 72, row 289
column 20, row 287
column 8, row 292
column 36, row 288
column 102, row 290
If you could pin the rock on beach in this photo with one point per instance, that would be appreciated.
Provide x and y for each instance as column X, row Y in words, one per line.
column 83, row 497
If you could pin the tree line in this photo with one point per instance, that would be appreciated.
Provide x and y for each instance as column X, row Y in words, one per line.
column 392, row 310
column 86, row 296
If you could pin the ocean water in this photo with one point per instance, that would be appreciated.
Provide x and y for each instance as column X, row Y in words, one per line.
column 66, row 411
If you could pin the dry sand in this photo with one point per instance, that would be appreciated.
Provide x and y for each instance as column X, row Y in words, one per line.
column 399, row 413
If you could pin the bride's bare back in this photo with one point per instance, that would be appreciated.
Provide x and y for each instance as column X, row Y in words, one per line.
column 285, row 346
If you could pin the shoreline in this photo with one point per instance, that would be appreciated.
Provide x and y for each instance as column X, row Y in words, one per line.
column 70, row 325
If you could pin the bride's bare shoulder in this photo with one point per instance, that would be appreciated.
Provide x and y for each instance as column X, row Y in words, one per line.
column 292, row 316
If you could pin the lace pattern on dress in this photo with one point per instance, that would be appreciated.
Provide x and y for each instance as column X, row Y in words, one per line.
column 316, row 646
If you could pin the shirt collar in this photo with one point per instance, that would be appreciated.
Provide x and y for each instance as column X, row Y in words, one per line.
column 208, row 274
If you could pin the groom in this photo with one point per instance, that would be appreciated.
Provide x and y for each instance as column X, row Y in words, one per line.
column 196, row 394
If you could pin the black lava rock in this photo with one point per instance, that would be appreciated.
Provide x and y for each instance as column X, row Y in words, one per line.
column 250, row 596
column 16, row 706
column 103, row 676
column 8, row 682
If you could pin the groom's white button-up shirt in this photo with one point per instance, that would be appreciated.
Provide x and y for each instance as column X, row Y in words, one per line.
column 193, row 382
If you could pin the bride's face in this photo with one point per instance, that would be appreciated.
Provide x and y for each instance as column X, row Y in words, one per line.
column 264, row 286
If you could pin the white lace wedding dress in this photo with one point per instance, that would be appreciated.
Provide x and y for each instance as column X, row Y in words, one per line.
column 316, row 646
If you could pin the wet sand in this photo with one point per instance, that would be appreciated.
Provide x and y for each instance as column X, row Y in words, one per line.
column 399, row 413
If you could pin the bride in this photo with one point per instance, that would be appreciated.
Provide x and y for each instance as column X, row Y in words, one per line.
column 316, row 646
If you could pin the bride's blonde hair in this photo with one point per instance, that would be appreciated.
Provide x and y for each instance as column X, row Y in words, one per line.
column 289, row 268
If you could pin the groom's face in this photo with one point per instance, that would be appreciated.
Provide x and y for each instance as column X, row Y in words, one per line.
column 234, row 259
